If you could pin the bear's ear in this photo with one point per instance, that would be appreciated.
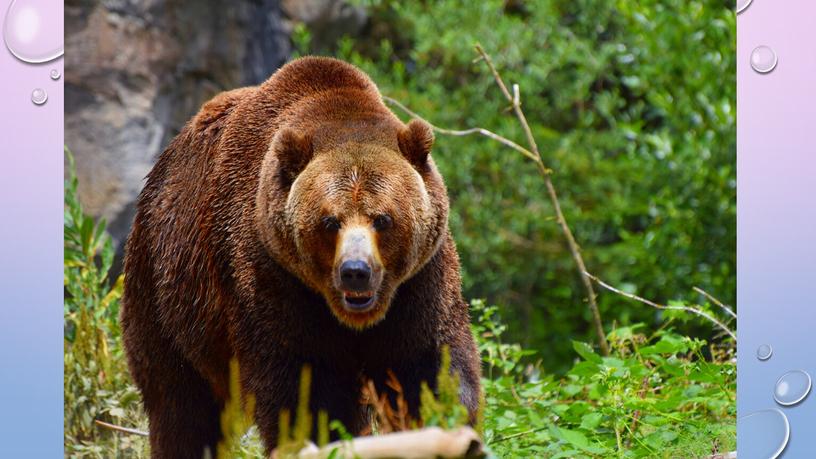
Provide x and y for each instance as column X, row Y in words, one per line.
column 293, row 151
column 415, row 142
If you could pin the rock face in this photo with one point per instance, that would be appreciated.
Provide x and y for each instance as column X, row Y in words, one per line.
column 327, row 20
column 136, row 71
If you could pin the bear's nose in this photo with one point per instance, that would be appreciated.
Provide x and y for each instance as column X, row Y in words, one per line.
column 355, row 275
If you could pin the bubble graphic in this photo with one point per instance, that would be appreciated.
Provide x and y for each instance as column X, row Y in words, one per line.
column 792, row 387
column 33, row 30
column 55, row 74
column 763, row 59
column 39, row 96
column 764, row 352
column 742, row 4
column 763, row 434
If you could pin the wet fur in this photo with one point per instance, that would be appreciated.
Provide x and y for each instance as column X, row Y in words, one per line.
column 212, row 269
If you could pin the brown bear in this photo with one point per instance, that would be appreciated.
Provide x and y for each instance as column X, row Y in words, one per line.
column 296, row 222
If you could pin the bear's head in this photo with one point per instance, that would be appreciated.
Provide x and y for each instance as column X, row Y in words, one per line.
column 352, row 220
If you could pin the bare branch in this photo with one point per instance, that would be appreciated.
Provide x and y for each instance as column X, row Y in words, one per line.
column 690, row 309
column 515, row 100
column 465, row 132
column 719, row 303
column 126, row 430
column 516, row 96
column 534, row 155
column 641, row 394
column 519, row 434
column 729, row 455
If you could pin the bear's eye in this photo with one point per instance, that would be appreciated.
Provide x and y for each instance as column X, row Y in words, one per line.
column 330, row 223
column 382, row 222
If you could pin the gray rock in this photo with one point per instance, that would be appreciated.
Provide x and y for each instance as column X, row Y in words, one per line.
column 327, row 20
column 136, row 71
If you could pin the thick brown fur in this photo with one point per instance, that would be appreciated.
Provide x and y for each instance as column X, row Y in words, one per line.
column 228, row 258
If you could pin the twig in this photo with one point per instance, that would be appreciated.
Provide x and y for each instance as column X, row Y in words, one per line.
column 126, row 430
column 641, row 394
column 729, row 455
column 534, row 155
column 562, row 221
column 716, row 301
column 518, row 434
column 618, row 439
column 465, row 132
column 690, row 309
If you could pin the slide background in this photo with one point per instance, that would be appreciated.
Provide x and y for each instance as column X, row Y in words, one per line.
column 31, row 167
column 776, row 217
column 776, row 210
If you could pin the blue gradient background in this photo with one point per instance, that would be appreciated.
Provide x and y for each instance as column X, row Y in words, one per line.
column 776, row 210
column 31, row 175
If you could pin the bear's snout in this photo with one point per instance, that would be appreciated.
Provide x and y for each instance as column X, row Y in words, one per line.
column 355, row 276
column 356, row 282
column 358, row 271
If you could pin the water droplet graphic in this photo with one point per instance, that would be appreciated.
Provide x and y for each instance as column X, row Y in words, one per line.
column 763, row 434
column 792, row 387
column 39, row 96
column 763, row 59
column 55, row 74
column 742, row 4
column 33, row 30
column 764, row 351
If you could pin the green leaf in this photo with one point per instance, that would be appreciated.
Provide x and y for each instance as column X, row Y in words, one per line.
column 575, row 438
column 86, row 235
column 667, row 345
column 585, row 351
column 590, row 421
column 584, row 369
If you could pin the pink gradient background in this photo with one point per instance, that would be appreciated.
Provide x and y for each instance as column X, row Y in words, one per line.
column 776, row 210
column 31, row 176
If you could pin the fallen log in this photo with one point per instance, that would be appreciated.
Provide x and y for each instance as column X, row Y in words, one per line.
column 427, row 443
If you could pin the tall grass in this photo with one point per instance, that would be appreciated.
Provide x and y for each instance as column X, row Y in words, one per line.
column 97, row 385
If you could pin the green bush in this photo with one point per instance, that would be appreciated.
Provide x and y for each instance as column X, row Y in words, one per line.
column 96, row 382
column 633, row 106
column 656, row 395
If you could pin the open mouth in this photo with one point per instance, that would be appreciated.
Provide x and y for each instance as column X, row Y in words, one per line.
column 358, row 301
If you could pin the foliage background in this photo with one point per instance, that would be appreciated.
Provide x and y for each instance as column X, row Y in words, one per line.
column 632, row 104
